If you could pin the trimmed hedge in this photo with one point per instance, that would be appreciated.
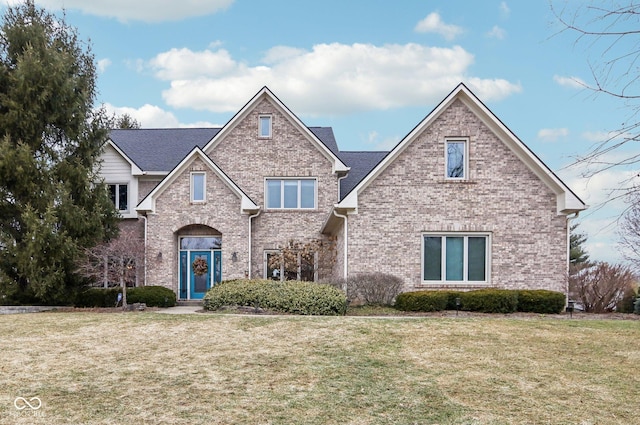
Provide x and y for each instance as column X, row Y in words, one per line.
column 484, row 301
column 293, row 297
column 152, row 296
column 541, row 301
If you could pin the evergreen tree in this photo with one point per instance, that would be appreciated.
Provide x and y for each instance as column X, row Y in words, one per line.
column 577, row 253
column 52, row 204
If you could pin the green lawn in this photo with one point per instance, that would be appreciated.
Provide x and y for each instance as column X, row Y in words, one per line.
column 91, row 368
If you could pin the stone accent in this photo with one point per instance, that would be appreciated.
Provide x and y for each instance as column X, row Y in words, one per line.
column 502, row 197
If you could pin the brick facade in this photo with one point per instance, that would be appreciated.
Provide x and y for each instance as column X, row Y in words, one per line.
column 502, row 197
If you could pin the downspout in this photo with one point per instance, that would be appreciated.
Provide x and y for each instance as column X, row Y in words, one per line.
column 251, row 217
column 346, row 232
column 144, row 217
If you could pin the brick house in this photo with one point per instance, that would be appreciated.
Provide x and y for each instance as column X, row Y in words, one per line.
column 459, row 203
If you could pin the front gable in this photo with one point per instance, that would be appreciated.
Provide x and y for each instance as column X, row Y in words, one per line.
column 148, row 204
column 566, row 201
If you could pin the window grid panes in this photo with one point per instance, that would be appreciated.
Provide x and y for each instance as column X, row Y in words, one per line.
column 291, row 193
column 455, row 258
column 119, row 195
column 456, row 161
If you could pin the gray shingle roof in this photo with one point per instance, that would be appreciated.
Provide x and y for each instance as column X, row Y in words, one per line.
column 161, row 149
column 361, row 164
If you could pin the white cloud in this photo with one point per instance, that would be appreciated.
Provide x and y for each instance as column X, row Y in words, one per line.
column 330, row 79
column 139, row 10
column 433, row 23
column 103, row 64
column 552, row 134
column 151, row 116
column 504, row 9
column 571, row 82
column 386, row 144
column 497, row 32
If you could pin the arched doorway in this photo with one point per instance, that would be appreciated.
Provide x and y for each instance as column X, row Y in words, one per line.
column 200, row 261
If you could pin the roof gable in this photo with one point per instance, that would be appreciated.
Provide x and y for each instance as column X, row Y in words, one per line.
column 567, row 201
column 316, row 135
column 148, row 203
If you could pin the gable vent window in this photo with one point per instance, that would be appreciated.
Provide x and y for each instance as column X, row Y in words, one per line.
column 456, row 159
column 198, row 182
column 119, row 196
column 264, row 126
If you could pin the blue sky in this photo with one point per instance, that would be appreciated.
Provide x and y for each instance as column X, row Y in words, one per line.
column 371, row 69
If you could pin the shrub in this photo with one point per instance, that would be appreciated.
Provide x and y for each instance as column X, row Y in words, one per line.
column 152, row 296
column 541, row 301
column 600, row 286
column 636, row 306
column 490, row 301
column 294, row 297
column 422, row 301
column 97, row 297
column 372, row 288
column 626, row 305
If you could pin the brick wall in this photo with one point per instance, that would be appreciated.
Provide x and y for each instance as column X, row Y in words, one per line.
column 502, row 197
column 247, row 160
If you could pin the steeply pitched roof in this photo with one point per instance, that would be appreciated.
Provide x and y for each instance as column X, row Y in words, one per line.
column 160, row 149
column 361, row 163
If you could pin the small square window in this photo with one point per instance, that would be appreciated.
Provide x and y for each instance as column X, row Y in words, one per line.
column 456, row 159
column 198, row 187
column 264, row 126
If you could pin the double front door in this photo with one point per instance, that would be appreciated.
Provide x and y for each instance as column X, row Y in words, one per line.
column 199, row 269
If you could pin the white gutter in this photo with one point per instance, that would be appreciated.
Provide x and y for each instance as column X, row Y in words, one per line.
column 251, row 217
column 144, row 217
column 346, row 232
column 575, row 215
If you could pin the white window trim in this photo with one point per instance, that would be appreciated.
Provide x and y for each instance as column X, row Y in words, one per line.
column 465, row 140
column 443, row 259
column 260, row 135
column 117, row 200
column 204, row 187
column 298, row 179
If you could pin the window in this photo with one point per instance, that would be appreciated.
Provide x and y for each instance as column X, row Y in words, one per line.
column 290, row 266
column 291, row 193
column 198, row 187
column 455, row 258
column 264, row 126
column 119, row 196
column 456, row 159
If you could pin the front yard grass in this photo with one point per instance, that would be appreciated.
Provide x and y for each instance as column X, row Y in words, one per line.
column 91, row 368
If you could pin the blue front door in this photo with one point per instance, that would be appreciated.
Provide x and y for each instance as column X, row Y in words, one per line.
column 198, row 271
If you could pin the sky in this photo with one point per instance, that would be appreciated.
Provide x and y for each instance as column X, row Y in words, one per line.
column 371, row 69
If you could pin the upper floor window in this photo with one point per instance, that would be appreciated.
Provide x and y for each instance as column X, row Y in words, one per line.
column 119, row 196
column 264, row 126
column 198, row 182
column 455, row 258
column 456, row 159
column 291, row 193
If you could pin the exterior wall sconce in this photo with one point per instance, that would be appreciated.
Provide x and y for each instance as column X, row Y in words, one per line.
column 234, row 257
column 159, row 256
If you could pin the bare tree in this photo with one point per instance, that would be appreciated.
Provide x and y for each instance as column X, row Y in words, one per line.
column 296, row 260
column 116, row 262
column 629, row 233
column 612, row 35
column 601, row 286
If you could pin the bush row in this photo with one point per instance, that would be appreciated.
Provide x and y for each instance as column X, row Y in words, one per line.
column 294, row 297
column 484, row 301
column 152, row 296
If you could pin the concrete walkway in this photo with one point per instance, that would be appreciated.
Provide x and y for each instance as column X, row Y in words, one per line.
column 181, row 309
